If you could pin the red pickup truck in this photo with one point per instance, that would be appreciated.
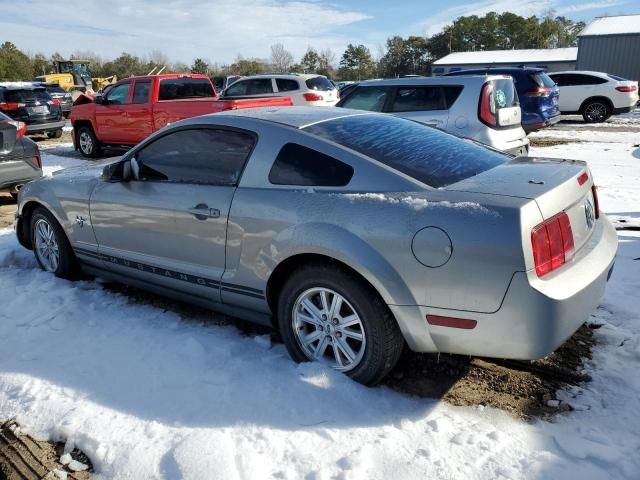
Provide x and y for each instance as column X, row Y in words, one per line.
column 134, row 108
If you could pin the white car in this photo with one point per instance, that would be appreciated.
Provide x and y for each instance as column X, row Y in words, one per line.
column 595, row 95
column 484, row 108
column 304, row 90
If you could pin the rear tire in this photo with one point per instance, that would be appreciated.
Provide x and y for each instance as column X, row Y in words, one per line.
column 51, row 246
column 88, row 143
column 596, row 111
column 362, row 314
column 55, row 134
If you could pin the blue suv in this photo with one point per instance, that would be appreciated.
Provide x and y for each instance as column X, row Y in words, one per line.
column 538, row 94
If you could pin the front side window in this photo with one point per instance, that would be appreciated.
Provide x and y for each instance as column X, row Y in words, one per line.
column 185, row 87
column 367, row 98
column 426, row 154
column 119, row 94
column 298, row 165
column 141, row 91
column 413, row 99
column 208, row 156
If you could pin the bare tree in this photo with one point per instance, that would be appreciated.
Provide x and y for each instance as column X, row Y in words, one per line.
column 281, row 58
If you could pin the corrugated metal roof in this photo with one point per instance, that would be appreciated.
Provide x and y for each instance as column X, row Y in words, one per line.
column 510, row 56
column 612, row 25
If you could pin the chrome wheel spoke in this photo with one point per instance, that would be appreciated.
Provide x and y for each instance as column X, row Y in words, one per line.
column 323, row 318
column 46, row 246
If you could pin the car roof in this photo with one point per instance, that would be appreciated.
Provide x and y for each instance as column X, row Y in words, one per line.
column 526, row 70
column 442, row 80
column 21, row 86
column 303, row 76
column 296, row 117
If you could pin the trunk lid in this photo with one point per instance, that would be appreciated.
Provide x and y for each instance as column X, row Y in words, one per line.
column 556, row 185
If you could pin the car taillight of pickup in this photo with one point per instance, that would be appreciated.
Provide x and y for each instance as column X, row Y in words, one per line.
column 132, row 109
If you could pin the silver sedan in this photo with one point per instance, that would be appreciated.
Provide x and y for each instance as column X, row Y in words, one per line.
column 352, row 233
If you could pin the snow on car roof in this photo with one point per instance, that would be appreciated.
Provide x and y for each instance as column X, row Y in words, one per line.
column 617, row 25
column 510, row 56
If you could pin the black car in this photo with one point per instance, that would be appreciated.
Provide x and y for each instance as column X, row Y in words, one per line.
column 19, row 156
column 60, row 94
column 34, row 106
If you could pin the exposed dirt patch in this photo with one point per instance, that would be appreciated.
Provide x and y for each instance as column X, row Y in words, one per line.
column 520, row 388
column 7, row 210
column 550, row 141
column 22, row 457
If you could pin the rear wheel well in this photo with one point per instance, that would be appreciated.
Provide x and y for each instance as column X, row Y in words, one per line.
column 284, row 269
column 606, row 100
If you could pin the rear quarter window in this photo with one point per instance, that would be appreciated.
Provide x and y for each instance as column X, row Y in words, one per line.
column 426, row 154
column 299, row 165
column 180, row 88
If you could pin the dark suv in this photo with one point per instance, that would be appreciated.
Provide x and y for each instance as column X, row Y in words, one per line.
column 537, row 92
column 34, row 106
column 60, row 94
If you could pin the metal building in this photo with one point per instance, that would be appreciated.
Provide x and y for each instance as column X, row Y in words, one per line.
column 550, row 59
column 611, row 45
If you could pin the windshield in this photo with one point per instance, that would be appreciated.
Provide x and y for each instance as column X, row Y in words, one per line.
column 424, row 153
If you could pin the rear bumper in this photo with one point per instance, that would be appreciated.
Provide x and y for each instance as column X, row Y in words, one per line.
column 541, row 122
column 617, row 111
column 45, row 127
column 536, row 315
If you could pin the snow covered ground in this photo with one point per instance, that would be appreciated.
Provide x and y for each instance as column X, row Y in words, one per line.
column 151, row 393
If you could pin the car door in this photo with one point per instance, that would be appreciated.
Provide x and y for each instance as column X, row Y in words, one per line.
column 139, row 115
column 421, row 103
column 168, row 226
column 111, row 114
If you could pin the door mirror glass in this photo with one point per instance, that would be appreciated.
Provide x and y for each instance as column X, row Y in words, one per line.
column 134, row 167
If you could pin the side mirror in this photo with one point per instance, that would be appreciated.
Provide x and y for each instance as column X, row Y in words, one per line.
column 100, row 100
column 117, row 172
column 135, row 168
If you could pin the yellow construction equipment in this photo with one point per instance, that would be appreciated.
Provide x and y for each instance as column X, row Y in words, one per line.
column 75, row 77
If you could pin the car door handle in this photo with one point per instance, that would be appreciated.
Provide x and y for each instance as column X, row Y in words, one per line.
column 202, row 212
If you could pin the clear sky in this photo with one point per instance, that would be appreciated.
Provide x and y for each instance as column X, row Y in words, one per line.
column 219, row 30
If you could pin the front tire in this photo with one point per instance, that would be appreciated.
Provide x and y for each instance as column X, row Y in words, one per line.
column 51, row 246
column 88, row 143
column 596, row 111
column 328, row 314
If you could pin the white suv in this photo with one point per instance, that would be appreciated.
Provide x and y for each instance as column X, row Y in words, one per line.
column 309, row 90
column 484, row 108
column 595, row 95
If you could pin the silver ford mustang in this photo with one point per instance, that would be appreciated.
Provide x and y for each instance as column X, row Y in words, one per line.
column 352, row 233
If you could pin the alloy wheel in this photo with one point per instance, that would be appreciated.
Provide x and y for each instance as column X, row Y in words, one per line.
column 596, row 112
column 86, row 143
column 46, row 245
column 328, row 328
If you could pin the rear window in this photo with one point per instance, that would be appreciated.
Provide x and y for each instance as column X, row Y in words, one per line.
column 504, row 94
column 616, row 77
column 319, row 83
column 56, row 89
column 178, row 88
column 426, row 154
column 543, row 80
column 27, row 95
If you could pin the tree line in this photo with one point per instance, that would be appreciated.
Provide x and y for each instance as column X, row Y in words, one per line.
column 399, row 56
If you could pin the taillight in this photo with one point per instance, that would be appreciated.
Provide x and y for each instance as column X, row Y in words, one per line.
column 627, row 89
column 582, row 179
column 538, row 92
column 36, row 161
column 552, row 243
column 596, row 203
column 487, row 108
column 313, row 97
column 21, row 128
column 9, row 106
column 55, row 102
